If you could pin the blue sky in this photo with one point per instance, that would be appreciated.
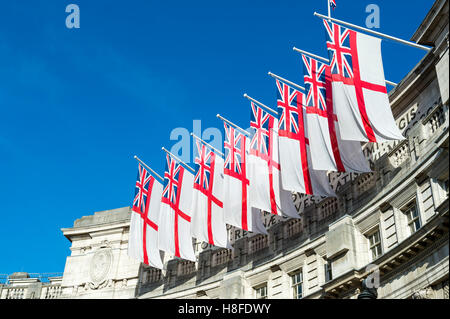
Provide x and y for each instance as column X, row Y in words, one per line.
column 77, row 104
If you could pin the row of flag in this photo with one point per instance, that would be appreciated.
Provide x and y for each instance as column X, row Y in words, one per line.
column 290, row 149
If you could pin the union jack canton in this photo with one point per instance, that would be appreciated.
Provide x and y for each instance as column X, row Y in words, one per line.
column 234, row 145
column 203, row 163
column 288, row 109
column 261, row 124
column 141, row 192
column 339, row 50
column 172, row 183
column 315, row 83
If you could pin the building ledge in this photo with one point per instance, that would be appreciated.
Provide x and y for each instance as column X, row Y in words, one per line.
column 422, row 33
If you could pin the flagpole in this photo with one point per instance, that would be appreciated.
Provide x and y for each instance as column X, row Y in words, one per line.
column 232, row 124
column 207, row 144
column 311, row 55
column 329, row 9
column 260, row 104
column 287, row 81
column 179, row 160
column 328, row 61
column 379, row 34
column 154, row 173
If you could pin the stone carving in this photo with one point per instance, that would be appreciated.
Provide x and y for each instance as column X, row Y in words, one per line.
column 426, row 293
column 121, row 283
column 100, row 266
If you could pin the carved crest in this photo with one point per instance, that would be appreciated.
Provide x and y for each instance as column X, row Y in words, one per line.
column 100, row 266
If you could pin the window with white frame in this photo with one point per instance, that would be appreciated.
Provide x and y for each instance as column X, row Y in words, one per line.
column 412, row 215
column 375, row 244
column 261, row 292
column 297, row 284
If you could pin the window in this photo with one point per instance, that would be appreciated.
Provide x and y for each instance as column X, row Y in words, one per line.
column 328, row 273
column 297, row 284
column 261, row 292
column 412, row 214
column 375, row 244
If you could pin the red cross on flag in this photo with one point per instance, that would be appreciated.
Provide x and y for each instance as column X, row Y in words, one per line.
column 360, row 97
column 143, row 238
column 174, row 234
column 208, row 223
column 329, row 152
column 264, row 167
column 237, row 209
column 297, row 174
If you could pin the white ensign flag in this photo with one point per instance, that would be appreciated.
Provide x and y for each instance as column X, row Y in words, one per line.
column 237, row 209
column 143, row 238
column 297, row 174
column 174, row 234
column 360, row 96
column 329, row 152
column 264, row 167
column 208, row 221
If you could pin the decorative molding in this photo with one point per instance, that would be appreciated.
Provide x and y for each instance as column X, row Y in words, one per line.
column 98, row 286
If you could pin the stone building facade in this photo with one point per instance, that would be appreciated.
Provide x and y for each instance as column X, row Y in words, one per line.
column 390, row 225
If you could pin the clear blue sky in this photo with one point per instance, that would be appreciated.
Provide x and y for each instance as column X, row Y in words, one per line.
column 77, row 104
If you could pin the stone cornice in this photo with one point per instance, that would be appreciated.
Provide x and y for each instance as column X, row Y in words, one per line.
column 412, row 84
column 429, row 19
column 71, row 232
